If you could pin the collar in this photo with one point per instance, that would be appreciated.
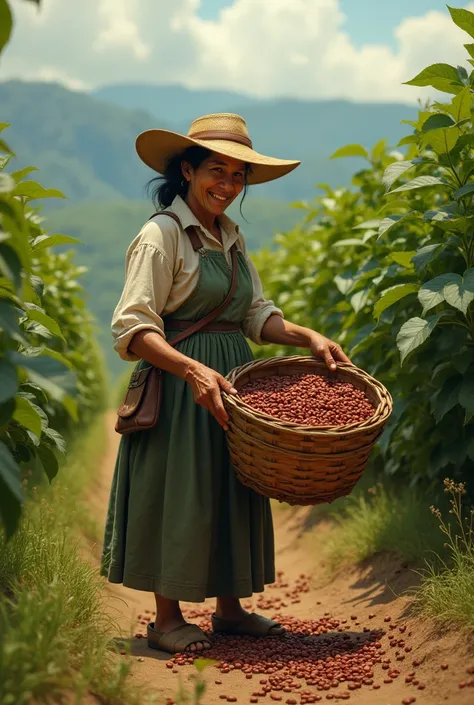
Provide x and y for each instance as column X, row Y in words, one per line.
column 230, row 229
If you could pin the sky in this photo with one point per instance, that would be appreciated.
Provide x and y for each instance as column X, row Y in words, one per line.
column 361, row 50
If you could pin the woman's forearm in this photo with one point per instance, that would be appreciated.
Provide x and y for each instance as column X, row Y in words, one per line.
column 150, row 346
column 280, row 332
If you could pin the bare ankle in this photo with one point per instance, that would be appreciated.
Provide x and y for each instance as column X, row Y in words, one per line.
column 167, row 611
column 229, row 608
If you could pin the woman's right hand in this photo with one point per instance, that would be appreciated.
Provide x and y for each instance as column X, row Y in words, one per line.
column 207, row 384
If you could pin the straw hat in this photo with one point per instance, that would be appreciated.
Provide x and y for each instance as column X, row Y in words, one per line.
column 224, row 133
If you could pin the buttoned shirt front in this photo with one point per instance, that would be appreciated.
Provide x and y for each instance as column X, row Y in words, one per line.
column 162, row 271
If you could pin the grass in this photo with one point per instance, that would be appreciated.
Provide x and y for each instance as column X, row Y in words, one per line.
column 382, row 520
column 446, row 592
column 55, row 633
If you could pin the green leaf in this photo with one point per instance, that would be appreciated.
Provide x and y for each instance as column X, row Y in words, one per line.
column 8, row 380
column 395, row 170
column 26, row 414
column 202, row 663
column 466, row 397
column 432, row 292
column 56, row 438
column 403, row 258
column 424, row 256
column 9, row 318
column 462, row 361
column 6, row 23
column 7, row 184
column 10, row 472
column 379, row 149
column 460, row 293
column 441, row 141
column 5, row 149
column 46, row 321
column 49, row 461
column 32, row 191
column 351, row 150
column 463, row 19
column 368, row 224
column 6, row 411
column 447, row 398
column 10, row 264
column 21, row 173
column 344, row 282
column 44, row 241
column 54, row 354
column 350, row 241
column 11, row 491
column 392, row 295
column 408, row 139
column 464, row 190
column 393, row 205
column 421, row 182
column 414, row 333
column 391, row 220
column 359, row 300
column 47, row 373
column 437, row 121
column 470, row 49
column 443, row 77
column 460, row 108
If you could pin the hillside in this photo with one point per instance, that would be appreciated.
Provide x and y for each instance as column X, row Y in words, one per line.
column 106, row 229
column 82, row 145
column 171, row 103
column 85, row 146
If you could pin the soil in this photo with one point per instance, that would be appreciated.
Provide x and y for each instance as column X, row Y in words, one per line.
column 365, row 596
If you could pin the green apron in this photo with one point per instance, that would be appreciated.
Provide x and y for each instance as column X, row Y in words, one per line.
column 179, row 522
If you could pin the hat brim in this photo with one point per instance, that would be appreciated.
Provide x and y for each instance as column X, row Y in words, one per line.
column 156, row 147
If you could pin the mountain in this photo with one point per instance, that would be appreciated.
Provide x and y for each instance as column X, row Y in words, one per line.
column 174, row 104
column 82, row 146
column 85, row 146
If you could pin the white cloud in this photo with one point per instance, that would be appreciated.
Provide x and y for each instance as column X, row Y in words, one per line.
column 263, row 47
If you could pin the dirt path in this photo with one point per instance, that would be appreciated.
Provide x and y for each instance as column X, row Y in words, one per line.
column 354, row 609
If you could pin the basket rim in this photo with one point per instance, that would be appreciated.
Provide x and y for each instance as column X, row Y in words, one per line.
column 378, row 418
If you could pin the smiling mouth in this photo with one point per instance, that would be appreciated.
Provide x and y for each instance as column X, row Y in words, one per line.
column 221, row 199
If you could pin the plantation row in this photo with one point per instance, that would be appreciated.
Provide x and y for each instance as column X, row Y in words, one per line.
column 387, row 269
column 51, row 376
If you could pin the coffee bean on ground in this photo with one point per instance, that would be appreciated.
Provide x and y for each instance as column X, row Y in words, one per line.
column 308, row 399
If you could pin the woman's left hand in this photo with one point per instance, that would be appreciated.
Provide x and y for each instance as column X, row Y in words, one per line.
column 327, row 350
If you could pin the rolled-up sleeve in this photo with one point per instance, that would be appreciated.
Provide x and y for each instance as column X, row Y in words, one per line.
column 260, row 310
column 148, row 281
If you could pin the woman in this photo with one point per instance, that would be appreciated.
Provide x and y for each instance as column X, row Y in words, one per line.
column 180, row 524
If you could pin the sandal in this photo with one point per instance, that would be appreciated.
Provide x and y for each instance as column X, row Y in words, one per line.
column 177, row 640
column 251, row 625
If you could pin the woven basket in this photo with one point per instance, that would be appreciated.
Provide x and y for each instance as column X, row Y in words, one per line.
column 301, row 464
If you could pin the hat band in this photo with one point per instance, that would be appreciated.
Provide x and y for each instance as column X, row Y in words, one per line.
column 222, row 135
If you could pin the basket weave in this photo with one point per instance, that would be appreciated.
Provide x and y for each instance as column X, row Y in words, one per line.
column 301, row 464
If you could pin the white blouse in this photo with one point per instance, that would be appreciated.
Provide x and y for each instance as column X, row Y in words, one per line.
column 162, row 270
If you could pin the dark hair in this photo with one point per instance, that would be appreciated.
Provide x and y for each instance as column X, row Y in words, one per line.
column 163, row 189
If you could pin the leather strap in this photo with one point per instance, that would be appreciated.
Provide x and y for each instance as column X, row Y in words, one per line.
column 190, row 231
column 195, row 327
column 216, row 327
column 197, row 245
column 222, row 135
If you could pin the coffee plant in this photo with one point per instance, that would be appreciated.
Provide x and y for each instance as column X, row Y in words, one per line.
column 51, row 378
column 387, row 268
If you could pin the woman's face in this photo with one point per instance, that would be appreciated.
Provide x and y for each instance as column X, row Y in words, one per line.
column 215, row 183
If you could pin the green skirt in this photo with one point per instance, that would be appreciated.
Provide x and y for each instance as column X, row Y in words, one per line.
column 180, row 523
